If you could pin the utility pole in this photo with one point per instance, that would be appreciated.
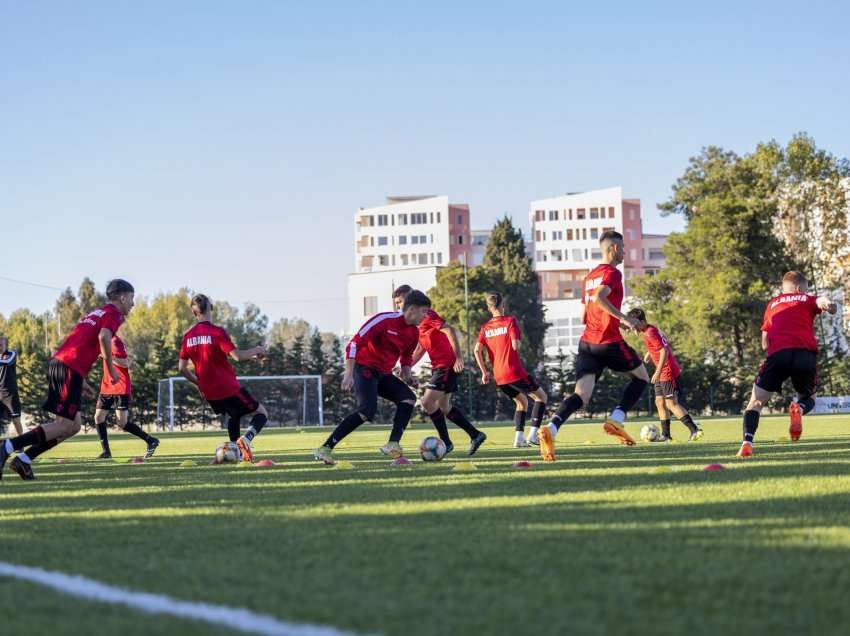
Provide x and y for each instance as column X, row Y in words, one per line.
column 468, row 327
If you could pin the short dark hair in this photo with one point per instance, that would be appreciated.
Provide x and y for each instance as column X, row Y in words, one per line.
column 402, row 290
column 611, row 235
column 637, row 313
column 416, row 298
column 201, row 302
column 494, row 300
column 118, row 286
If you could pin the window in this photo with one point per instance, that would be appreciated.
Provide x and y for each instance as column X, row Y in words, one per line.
column 393, row 260
column 460, row 219
column 553, row 215
column 571, row 214
column 569, row 235
column 382, row 240
column 432, row 258
column 460, row 239
column 423, row 259
column 402, row 219
column 370, row 305
column 438, row 217
column 633, row 254
column 422, row 239
column 610, row 213
column 432, row 217
column 557, row 236
column 383, row 219
column 402, row 240
column 537, row 235
column 584, row 233
column 595, row 254
column 579, row 213
column 541, row 256
column 371, row 241
column 538, row 215
column 594, row 213
column 557, row 255
column 656, row 254
column 404, row 259
column 414, row 240
column 432, row 239
column 418, row 218
column 384, row 260
column 630, row 234
column 578, row 255
column 439, row 258
column 632, row 214
column 594, row 233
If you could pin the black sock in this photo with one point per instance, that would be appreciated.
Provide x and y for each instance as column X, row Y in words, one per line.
column 688, row 421
column 631, row 394
column 30, row 438
column 34, row 451
column 460, row 420
column 439, row 420
column 104, row 436
column 345, row 427
column 403, row 411
column 569, row 405
column 519, row 420
column 233, row 428
column 134, row 429
column 257, row 424
column 806, row 403
column 665, row 429
column 751, row 423
column 537, row 413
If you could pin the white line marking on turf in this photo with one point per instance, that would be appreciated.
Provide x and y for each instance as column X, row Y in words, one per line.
column 218, row 615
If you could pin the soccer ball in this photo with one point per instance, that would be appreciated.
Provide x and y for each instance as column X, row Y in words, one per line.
column 649, row 433
column 227, row 453
column 432, row 449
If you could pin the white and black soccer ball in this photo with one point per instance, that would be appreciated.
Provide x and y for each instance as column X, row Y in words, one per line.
column 650, row 433
column 432, row 449
column 227, row 453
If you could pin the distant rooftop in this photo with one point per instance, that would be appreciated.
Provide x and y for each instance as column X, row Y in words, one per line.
column 408, row 199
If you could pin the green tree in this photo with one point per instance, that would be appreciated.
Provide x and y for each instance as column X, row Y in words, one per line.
column 89, row 297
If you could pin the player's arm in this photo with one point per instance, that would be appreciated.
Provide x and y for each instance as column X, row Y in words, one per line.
column 479, row 358
column 765, row 341
column 105, row 339
column 186, row 372
column 417, row 354
column 406, row 362
column 601, row 300
column 647, row 357
column 827, row 305
column 240, row 355
column 662, row 359
column 451, row 334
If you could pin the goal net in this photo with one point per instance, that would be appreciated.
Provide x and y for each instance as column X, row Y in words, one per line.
column 291, row 400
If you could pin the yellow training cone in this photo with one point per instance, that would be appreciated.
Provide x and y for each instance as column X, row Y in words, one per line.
column 465, row 466
column 187, row 463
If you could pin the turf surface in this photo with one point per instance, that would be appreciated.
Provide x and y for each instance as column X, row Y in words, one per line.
column 607, row 540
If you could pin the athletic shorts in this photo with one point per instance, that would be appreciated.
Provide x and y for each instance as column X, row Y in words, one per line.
column 525, row 385
column 801, row 365
column 595, row 358
column 64, row 390
column 235, row 406
column 669, row 388
column 444, row 380
column 113, row 402
column 10, row 405
column 369, row 384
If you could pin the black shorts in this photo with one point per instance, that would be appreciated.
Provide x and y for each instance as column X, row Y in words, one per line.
column 595, row 358
column 801, row 365
column 444, row 380
column 113, row 402
column 669, row 389
column 237, row 405
column 370, row 383
column 10, row 405
column 64, row 390
column 526, row 385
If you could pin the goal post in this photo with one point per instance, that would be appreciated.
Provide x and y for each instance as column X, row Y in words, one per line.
column 291, row 400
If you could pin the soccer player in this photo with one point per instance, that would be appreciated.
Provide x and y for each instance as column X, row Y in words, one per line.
column 602, row 347
column 208, row 347
column 386, row 338
column 439, row 341
column 399, row 295
column 116, row 396
column 666, row 380
column 10, row 401
column 788, row 337
column 500, row 337
column 66, row 372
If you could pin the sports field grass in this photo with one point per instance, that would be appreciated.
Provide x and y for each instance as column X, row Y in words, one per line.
column 607, row 540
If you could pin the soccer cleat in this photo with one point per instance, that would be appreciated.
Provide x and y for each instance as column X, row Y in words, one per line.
column 449, row 447
column 475, row 442
column 521, row 443
column 533, row 437
column 23, row 469
column 612, row 428
column 245, row 448
column 547, row 444
column 663, row 438
column 325, row 455
column 697, row 434
column 391, row 449
column 151, row 447
column 105, row 455
column 795, row 430
column 746, row 451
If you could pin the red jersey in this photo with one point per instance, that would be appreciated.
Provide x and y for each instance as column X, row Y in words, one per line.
column 435, row 342
column 82, row 346
column 123, row 386
column 789, row 321
column 600, row 327
column 655, row 342
column 384, row 340
column 207, row 346
column 496, row 336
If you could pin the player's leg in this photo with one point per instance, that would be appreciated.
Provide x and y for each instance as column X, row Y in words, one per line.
column 122, row 413
column 663, row 415
column 520, row 415
column 674, row 405
column 455, row 415
column 804, row 378
column 100, row 416
column 431, row 401
column 366, row 391
column 586, row 375
column 772, row 373
column 538, row 410
column 14, row 408
column 22, row 464
column 396, row 391
column 259, row 416
column 622, row 358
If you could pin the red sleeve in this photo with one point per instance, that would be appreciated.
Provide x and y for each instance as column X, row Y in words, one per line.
column 225, row 343
column 118, row 349
column 652, row 339
column 365, row 334
column 112, row 321
column 765, row 323
column 406, row 358
column 184, row 354
column 481, row 339
column 612, row 277
column 433, row 320
column 813, row 303
column 514, row 331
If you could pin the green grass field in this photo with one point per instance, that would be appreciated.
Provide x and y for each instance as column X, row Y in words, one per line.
column 607, row 540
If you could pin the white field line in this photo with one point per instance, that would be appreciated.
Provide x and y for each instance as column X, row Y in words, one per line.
column 234, row 618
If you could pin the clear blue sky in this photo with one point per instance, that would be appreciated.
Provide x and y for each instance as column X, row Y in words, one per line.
column 225, row 145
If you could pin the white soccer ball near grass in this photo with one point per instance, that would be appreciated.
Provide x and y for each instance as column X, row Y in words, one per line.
column 649, row 433
column 227, row 453
column 432, row 449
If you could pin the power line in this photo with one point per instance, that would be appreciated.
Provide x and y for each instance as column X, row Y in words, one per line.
column 30, row 284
